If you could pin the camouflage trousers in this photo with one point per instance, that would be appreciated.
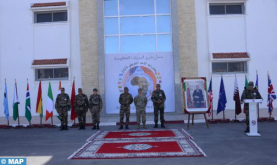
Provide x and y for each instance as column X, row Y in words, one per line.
column 63, row 116
column 156, row 114
column 142, row 114
column 121, row 114
column 82, row 117
column 95, row 115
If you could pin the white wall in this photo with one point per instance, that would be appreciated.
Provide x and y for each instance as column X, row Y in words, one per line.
column 255, row 33
column 22, row 41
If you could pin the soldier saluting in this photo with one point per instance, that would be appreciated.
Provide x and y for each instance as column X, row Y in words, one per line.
column 125, row 100
column 158, row 98
column 81, row 106
column 250, row 93
column 62, row 105
column 95, row 106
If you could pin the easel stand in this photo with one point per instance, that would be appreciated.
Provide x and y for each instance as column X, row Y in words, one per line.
column 253, row 122
column 196, row 113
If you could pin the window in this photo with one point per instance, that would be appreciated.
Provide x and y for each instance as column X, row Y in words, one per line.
column 53, row 16
column 52, row 74
column 137, row 26
column 222, row 9
column 229, row 67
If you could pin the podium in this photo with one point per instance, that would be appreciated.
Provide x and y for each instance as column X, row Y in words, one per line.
column 253, row 122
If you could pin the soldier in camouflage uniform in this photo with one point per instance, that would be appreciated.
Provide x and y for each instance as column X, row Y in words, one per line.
column 250, row 93
column 158, row 98
column 140, row 102
column 95, row 106
column 81, row 106
column 62, row 105
column 125, row 100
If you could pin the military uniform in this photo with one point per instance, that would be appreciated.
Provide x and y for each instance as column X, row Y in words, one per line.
column 249, row 94
column 140, row 102
column 158, row 98
column 81, row 106
column 95, row 105
column 125, row 100
column 62, row 105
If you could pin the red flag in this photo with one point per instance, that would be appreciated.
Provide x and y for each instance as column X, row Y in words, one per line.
column 73, row 112
column 236, row 97
column 210, row 96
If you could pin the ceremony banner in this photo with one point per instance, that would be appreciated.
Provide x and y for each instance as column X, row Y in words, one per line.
column 139, row 70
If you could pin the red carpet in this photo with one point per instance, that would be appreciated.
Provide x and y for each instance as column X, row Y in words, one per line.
column 139, row 134
column 145, row 144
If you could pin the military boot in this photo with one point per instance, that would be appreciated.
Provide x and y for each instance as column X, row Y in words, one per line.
column 156, row 125
column 94, row 126
column 162, row 125
column 144, row 126
column 97, row 126
column 80, row 127
column 84, row 126
column 65, row 127
column 121, row 127
column 247, row 130
column 138, row 126
column 62, row 127
column 126, row 127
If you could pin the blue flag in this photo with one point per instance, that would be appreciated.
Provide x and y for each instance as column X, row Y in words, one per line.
column 5, row 103
column 221, row 98
column 257, row 81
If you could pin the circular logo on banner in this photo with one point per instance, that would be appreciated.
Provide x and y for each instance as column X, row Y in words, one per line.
column 143, row 77
column 253, row 122
column 137, row 147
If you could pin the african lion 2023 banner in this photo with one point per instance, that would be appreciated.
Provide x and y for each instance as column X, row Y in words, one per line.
column 139, row 70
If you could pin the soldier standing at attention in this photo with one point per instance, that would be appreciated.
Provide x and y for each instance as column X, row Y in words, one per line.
column 95, row 106
column 125, row 100
column 81, row 105
column 250, row 93
column 158, row 98
column 140, row 103
column 62, row 105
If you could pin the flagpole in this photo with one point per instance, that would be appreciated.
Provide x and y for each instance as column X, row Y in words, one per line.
column 29, row 96
column 41, row 101
column 18, row 121
column 269, row 101
column 72, row 105
column 8, row 121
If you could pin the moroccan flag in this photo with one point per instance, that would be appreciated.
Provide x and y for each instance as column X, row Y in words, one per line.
column 28, row 114
column 15, row 103
column 73, row 113
column 236, row 97
column 5, row 103
column 222, row 100
column 50, row 103
column 39, row 101
column 271, row 96
column 210, row 97
column 245, row 88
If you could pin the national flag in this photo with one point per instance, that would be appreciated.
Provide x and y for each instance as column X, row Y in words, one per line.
column 257, row 81
column 271, row 96
column 222, row 100
column 210, row 97
column 73, row 112
column 236, row 97
column 39, row 108
column 15, row 103
column 28, row 114
column 50, row 103
column 245, row 88
column 60, row 86
column 6, row 104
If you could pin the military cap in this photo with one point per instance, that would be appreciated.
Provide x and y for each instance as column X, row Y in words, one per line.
column 250, row 83
column 95, row 90
column 126, row 88
column 158, row 85
column 62, row 89
column 80, row 89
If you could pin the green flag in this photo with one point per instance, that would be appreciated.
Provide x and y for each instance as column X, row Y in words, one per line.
column 28, row 114
column 15, row 103
column 246, row 83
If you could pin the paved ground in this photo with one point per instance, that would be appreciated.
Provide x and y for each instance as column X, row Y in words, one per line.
column 222, row 143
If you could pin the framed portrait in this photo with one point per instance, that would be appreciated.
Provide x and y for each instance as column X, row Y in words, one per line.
column 195, row 94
